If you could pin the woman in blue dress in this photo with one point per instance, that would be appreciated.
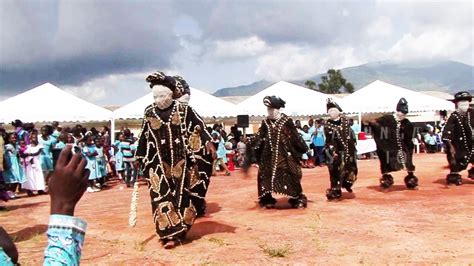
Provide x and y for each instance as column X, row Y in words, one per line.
column 90, row 152
column 48, row 142
column 13, row 174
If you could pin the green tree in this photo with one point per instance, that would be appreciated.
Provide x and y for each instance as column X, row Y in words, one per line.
column 333, row 82
column 310, row 84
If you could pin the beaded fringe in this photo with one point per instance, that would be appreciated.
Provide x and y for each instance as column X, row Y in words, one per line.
column 132, row 218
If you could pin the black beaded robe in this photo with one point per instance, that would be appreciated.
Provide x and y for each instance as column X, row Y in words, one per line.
column 176, row 169
column 277, row 148
column 458, row 131
column 394, row 143
column 340, row 140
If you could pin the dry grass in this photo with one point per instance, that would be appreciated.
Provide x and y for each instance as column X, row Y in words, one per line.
column 220, row 242
column 276, row 252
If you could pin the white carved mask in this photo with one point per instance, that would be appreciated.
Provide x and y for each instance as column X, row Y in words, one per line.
column 400, row 116
column 163, row 96
column 334, row 113
column 463, row 106
column 273, row 113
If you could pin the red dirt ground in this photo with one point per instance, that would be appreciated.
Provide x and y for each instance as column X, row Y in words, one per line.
column 431, row 225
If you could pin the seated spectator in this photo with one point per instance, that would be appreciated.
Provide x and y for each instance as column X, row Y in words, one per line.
column 430, row 141
column 240, row 152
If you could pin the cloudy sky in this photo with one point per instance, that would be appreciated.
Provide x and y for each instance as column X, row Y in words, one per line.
column 103, row 50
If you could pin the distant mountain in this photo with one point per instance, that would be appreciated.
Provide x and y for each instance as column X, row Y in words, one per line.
column 447, row 76
column 243, row 90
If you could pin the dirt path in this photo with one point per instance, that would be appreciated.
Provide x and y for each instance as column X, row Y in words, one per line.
column 432, row 225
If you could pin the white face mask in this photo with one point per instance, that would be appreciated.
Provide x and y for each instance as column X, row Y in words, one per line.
column 163, row 96
column 273, row 113
column 400, row 116
column 334, row 113
column 463, row 106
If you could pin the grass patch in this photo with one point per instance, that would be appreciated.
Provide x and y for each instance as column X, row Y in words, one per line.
column 316, row 226
column 139, row 246
column 276, row 252
column 210, row 263
column 220, row 242
column 14, row 238
column 37, row 237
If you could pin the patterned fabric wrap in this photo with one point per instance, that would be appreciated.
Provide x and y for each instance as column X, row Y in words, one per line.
column 4, row 259
column 65, row 240
column 340, row 140
column 177, row 174
column 458, row 132
column 277, row 148
column 394, row 143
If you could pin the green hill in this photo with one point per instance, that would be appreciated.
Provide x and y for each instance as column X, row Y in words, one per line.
column 447, row 76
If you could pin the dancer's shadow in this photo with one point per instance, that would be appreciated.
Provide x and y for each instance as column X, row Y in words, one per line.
column 348, row 195
column 345, row 196
column 26, row 205
column 282, row 204
column 387, row 190
column 29, row 233
column 201, row 229
column 150, row 238
column 212, row 208
column 442, row 181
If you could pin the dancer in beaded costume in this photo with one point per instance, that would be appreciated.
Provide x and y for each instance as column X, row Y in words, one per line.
column 393, row 135
column 277, row 149
column 171, row 163
column 340, row 152
column 458, row 138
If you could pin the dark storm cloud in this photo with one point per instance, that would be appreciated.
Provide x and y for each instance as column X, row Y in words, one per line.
column 68, row 42
column 315, row 22
column 80, row 44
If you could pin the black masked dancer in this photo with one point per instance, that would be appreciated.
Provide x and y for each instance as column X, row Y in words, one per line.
column 458, row 138
column 393, row 134
column 340, row 151
column 170, row 161
column 277, row 149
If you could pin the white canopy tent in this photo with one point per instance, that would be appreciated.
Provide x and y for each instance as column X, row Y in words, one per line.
column 206, row 105
column 382, row 97
column 47, row 103
column 299, row 100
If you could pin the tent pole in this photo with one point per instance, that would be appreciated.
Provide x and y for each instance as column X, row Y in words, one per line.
column 360, row 119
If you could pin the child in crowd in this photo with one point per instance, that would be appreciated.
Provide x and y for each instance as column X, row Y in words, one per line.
column 128, row 158
column 3, row 187
column 241, row 148
column 318, row 140
column 13, row 174
column 101, row 162
column 22, row 147
column 90, row 152
column 48, row 142
column 221, row 154
column 125, row 158
column 33, row 171
column 306, row 157
column 59, row 146
column 119, row 166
